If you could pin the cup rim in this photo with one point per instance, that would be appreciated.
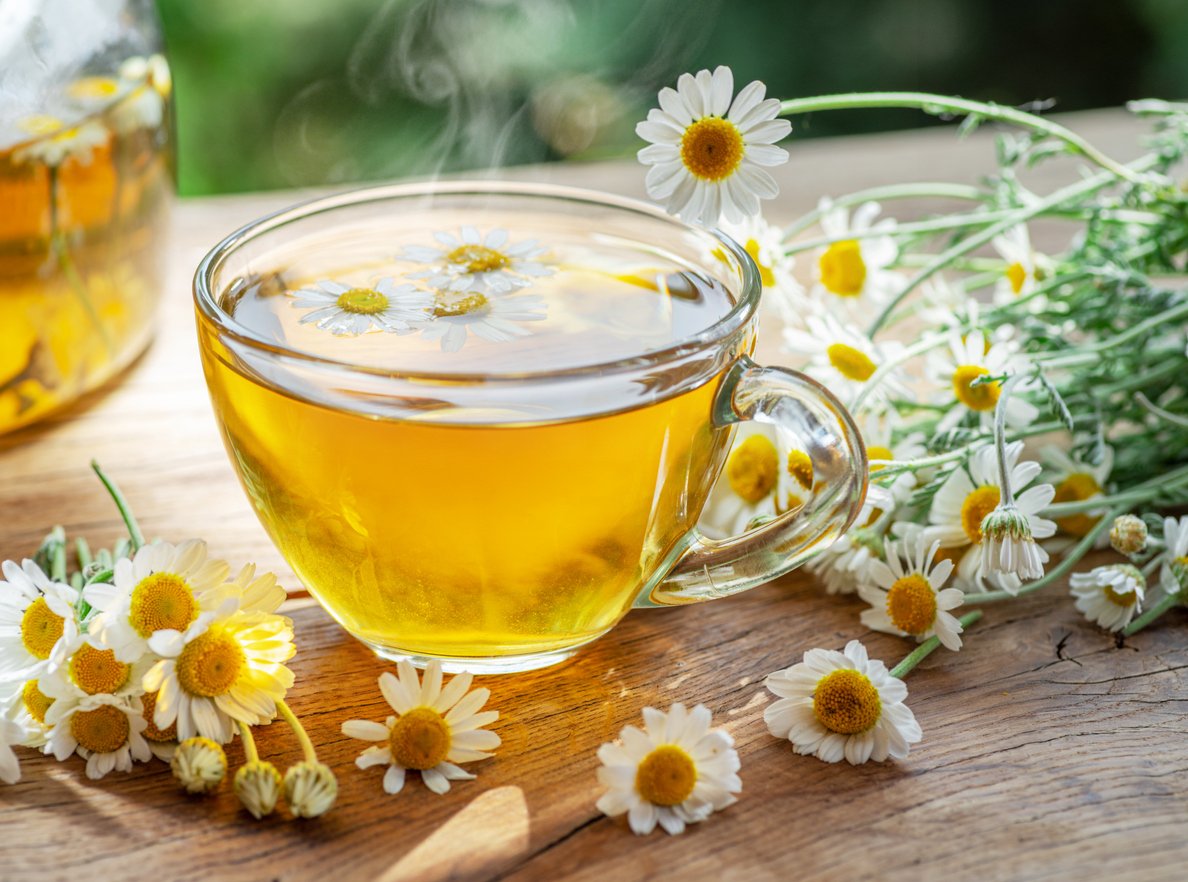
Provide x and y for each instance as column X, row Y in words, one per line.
column 709, row 337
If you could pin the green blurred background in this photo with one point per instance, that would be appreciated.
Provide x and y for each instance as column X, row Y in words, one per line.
column 276, row 93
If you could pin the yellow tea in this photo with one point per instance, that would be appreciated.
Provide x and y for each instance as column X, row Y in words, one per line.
column 478, row 530
column 83, row 194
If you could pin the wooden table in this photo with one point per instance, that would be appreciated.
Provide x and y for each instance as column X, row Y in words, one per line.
column 1049, row 753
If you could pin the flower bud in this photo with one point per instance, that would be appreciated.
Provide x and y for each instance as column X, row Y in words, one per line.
column 258, row 786
column 199, row 765
column 310, row 789
column 1128, row 535
column 1009, row 545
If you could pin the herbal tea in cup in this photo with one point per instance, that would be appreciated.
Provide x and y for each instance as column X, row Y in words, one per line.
column 480, row 422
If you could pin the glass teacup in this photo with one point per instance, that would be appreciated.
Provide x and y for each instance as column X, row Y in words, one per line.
column 480, row 421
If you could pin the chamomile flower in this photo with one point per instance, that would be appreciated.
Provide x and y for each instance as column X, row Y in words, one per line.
column 227, row 666
column 884, row 442
column 162, row 741
column 495, row 318
column 1173, row 574
column 765, row 243
column 36, row 615
column 27, row 705
column 255, row 593
column 1129, row 534
column 162, row 587
column 1109, row 595
column 908, row 596
column 844, row 566
column 154, row 69
column 1077, row 480
column 471, row 263
column 843, row 358
column 673, row 772
column 199, row 765
column 1024, row 268
column 348, row 312
column 853, row 272
column 80, row 668
column 434, row 728
column 10, row 767
column 765, row 475
column 968, row 495
column 842, row 705
column 708, row 148
column 105, row 730
column 56, row 141
column 968, row 359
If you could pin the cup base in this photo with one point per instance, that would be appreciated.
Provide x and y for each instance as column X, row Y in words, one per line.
column 498, row 664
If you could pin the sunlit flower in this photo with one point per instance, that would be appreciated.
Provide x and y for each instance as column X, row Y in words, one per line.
column 1077, row 480
column 765, row 243
column 471, row 263
column 1173, row 574
column 258, row 785
column 36, row 615
column 25, row 704
column 346, row 311
column 842, row 705
column 853, row 272
column 10, row 767
column 765, row 474
column 970, row 358
column 673, row 772
column 708, row 147
column 843, row 358
column 495, row 318
column 310, row 789
column 1109, row 595
column 55, row 141
column 199, row 765
column 908, row 596
column 1024, row 268
column 80, row 668
column 255, row 593
column 434, row 728
column 105, row 730
column 969, row 494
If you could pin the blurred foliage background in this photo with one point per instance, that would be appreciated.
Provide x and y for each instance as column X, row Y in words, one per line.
column 275, row 93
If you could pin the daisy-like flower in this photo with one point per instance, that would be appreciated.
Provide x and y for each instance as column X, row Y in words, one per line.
column 227, row 666
column 883, row 443
column 199, row 765
column 675, row 771
column 163, row 587
column 154, row 69
column 843, row 358
column 708, row 148
column 258, row 785
column 105, row 730
column 80, row 668
column 908, row 596
column 27, row 706
column 346, row 311
column 56, row 141
column 967, row 496
column 1009, row 546
column 10, row 767
column 491, row 317
column 853, row 271
column 1024, row 268
column 1109, row 595
column 1076, row 480
column 845, row 566
column 970, row 358
column 473, row 263
column 765, row 243
column 842, row 705
column 310, row 789
column 36, row 615
column 1173, row 575
column 434, row 728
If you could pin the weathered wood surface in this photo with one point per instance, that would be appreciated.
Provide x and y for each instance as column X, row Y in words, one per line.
column 1049, row 753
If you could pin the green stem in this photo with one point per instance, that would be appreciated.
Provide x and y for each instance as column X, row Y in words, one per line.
column 894, row 467
column 82, row 551
column 882, row 194
column 938, row 104
column 1131, row 496
column 1151, row 614
column 249, row 743
column 922, row 651
column 1087, row 354
column 307, row 747
column 134, row 534
column 950, row 222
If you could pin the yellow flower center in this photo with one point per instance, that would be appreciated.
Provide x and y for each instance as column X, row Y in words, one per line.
column 420, row 739
column 712, row 148
column 40, row 124
column 102, row 730
column 754, row 468
column 877, row 452
column 162, row 601
column 766, row 275
column 41, row 628
column 1016, row 274
column 96, row 671
column 36, row 702
column 851, row 363
column 1119, row 598
column 974, row 509
column 911, row 604
column 800, row 467
column 93, row 88
column 362, row 301
column 478, row 258
column 843, row 271
column 1077, row 487
column 845, row 701
column 151, row 732
column 666, row 776
column 210, row 664
column 444, row 305
column 980, row 398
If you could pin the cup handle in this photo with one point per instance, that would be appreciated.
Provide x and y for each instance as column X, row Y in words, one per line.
column 711, row 568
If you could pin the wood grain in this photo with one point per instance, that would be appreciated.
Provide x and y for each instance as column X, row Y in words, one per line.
column 1049, row 752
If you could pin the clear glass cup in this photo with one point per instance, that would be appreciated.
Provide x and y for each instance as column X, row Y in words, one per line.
column 86, row 180
column 499, row 521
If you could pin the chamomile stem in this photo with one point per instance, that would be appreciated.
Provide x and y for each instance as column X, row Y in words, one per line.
column 249, row 743
column 1143, row 492
column 1151, row 615
column 893, row 191
column 1000, row 409
column 1088, row 353
column 135, row 536
column 307, row 748
column 922, row 651
column 889, row 468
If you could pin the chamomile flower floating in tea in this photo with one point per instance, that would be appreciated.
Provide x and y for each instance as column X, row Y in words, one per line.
column 105, row 730
column 674, row 772
column 842, row 705
column 10, row 767
column 496, row 318
column 709, row 148
column 471, row 262
column 57, row 141
column 1109, row 596
column 434, row 728
column 347, row 311
column 36, row 619
column 908, row 596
